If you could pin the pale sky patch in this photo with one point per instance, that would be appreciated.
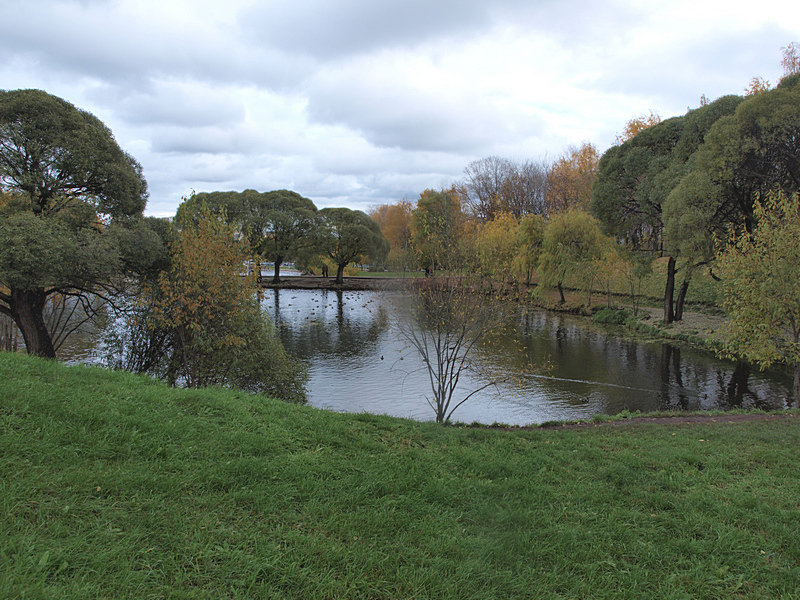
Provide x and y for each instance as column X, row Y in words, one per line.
column 355, row 103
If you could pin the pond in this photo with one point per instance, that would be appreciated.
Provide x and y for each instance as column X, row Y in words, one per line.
column 359, row 362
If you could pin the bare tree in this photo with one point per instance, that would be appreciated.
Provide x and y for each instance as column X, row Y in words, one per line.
column 484, row 185
column 495, row 185
column 449, row 322
column 524, row 192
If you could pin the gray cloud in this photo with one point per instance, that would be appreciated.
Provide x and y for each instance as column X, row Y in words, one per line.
column 327, row 30
column 359, row 103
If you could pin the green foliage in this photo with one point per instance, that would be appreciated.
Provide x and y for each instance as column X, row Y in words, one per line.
column 116, row 486
column 53, row 153
column 278, row 225
column 761, row 286
column 346, row 236
column 571, row 247
column 750, row 153
column 71, row 203
column 612, row 316
column 435, row 229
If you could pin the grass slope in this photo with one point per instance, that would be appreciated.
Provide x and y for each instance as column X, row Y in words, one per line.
column 114, row 486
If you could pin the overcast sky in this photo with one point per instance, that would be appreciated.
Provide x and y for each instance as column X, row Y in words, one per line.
column 357, row 102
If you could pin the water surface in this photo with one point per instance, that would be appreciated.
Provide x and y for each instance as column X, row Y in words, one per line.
column 359, row 362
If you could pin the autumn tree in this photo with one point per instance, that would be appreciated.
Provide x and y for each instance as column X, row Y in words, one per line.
column 791, row 59
column 570, row 179
column 757, row 85
column 347, row 235
column 638, row 124
column 447, row 326
column 395, row 223
column 530, row 236
column 200, row 323
column 484, row 185
column 496, row 247
column 760, row 271
column 77, row 226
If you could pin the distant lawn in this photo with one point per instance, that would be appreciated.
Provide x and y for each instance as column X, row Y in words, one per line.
column 114, row 486
column 419, row 273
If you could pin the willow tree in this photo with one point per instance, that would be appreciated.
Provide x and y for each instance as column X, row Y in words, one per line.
column 70, row 192
column 278, row 225
column 572, row 246
column 346, row 235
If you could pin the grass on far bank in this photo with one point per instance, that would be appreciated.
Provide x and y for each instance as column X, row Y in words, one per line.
column 115, row 486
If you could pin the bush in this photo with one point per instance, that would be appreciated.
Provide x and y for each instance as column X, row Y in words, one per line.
column 612, row 316
column 201, row 323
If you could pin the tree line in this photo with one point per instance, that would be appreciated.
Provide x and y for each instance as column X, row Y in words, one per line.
column 73, row 230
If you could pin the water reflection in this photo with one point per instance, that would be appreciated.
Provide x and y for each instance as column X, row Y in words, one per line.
column 327, row 322
column 359, row 362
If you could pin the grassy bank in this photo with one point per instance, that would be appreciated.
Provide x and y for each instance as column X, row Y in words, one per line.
column 114, row 486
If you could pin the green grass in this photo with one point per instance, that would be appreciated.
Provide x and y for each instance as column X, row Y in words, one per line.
column 114, row 486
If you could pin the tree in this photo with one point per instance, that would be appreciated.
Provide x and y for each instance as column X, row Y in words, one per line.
column 484, row 186
column 791, row 59
column 524, row 191
column 636, row 178
column 757, row 85
column 448, row 324
column 436, row 225
column 760, row 271
column 347, row 235
column 200, row 324
column 571, row 177
column 74, row 190
column 572, row 245
column 638, row 124
column 496, row 247
column 494, row 185
column 529, row 245
column 395, row 223
column 278, row 224
column 750, row 152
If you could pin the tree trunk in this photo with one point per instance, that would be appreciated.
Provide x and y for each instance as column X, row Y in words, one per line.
column 276, row 275
column 561, row 293
column 681, row 300
column 796, row 389
column 669, row 314
column 340, row 273
column 27, row 307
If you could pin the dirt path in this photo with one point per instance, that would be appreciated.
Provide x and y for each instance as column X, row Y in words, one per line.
column 693, row 419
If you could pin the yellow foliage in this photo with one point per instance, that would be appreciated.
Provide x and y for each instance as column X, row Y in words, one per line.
column 571, row 179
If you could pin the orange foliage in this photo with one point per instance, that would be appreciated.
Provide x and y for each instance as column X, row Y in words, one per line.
column 757, row 85
column 637, row 125
column 791, row 59
column 395, row 223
